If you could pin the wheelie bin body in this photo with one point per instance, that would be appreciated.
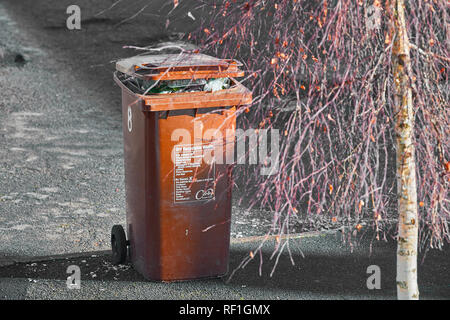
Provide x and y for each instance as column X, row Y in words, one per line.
column 178, row 203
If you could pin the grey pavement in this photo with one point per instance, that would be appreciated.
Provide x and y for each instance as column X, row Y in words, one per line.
column 324, row 268
column 61, row 167
column 61, row 150
column 61, row 154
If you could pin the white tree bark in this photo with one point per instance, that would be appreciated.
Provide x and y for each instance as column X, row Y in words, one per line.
column 407, row 288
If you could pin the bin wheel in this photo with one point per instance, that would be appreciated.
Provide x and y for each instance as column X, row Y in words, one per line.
column 118, row 244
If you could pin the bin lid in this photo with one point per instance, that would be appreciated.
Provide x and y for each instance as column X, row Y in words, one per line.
column 179, row 66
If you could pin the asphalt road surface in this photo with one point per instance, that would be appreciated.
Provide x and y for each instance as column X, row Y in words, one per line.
column 324, row 268
column 61, row 147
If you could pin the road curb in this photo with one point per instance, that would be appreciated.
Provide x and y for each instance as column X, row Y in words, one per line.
column 12, row 260
column 273, row 237
column 7, row 261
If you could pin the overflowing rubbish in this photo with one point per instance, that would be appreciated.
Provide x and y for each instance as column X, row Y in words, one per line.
column 217, row 84
column 185, row 85
column 178, row 73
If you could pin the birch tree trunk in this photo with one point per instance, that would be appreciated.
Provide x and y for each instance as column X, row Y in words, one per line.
column 407, row 288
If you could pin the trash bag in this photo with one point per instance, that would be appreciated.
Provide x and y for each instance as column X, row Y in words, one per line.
column 217, row 84
column 196, row 85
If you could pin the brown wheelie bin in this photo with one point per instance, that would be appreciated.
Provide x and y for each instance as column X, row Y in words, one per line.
column 177, row 175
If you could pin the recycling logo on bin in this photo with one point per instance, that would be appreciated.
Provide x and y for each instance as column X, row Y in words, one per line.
column 205, row 194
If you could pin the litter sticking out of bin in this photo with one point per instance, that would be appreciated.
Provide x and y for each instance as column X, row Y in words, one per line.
column 183, row 72
column 217, row 84
column 172, row 86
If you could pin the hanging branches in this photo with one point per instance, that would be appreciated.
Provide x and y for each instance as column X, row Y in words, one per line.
column 337, row 154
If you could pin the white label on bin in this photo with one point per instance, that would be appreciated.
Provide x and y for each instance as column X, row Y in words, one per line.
column 194, row 179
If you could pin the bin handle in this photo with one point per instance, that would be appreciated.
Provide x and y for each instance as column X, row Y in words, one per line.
column 124, row 87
